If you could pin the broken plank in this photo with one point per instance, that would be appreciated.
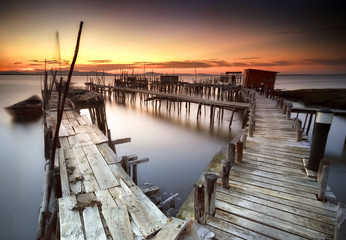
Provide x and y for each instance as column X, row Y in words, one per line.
column 147, row 225
column 120, row 173
column 121, row 223
column 74, row 176
column 92, row 223
column 70, row 222
column 171, row 230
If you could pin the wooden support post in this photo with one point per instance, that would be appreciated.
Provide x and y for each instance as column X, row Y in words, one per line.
column 134, row 173
column 43, row 211
column 226, row 167
column 198, row 202
column 340, row 222
column 299, row 130
column 243, row 139
column 284, row 110
column 124, row 164
column 323, row 184
column 239, row 152
column 251, row 128
column 231, row 154
column 210, row 193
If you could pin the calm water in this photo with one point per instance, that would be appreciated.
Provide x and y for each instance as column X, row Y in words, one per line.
column 178, row 147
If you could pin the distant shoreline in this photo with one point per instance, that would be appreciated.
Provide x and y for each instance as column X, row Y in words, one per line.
column 327, row 97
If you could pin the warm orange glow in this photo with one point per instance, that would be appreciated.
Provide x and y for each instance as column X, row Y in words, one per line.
column 166, row 37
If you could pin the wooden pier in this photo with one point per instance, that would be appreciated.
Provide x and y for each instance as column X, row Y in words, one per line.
column 235, row 99
column 267, row 194
column 99, row 200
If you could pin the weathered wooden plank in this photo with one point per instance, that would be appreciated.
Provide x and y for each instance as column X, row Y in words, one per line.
column 272, row 186
column 74, row 123
column 92, row 223
column 289, row 218
column 69, row 219
column 62, row 131
column 64, row 143
column 276, row 182
column 121, row 223
column 84, row 139
column 89, row 182
column 69, row 114
column 141, row 215
column 241, row 231
column 120, row 173
column 171, row 230
column 74, row 176
column 321, row 214
column 304, row 181
column 273, row 169
column 102, row 172
column 275, row 223
column 108, row 153
column 116, row 217
column 65, row 186
column 155, row 211
column 275, row 162
column 85, row 119
column 274, row 193
column 95, row 134
column 79, row 129
column 67, row 127
column 78, row 117
column 221, row 235
column 73, row 141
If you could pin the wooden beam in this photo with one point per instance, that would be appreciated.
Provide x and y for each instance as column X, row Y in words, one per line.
column 120, row 141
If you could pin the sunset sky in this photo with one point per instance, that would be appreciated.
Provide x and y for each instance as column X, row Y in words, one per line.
column 207, row 36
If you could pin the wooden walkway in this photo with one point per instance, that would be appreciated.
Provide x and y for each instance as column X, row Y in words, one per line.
column 270, row 196
column 180, row 97
column 99, row 199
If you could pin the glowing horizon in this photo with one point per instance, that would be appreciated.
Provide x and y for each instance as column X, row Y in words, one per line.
column 180, row 37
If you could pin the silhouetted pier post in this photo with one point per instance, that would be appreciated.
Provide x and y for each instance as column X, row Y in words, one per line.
column 198, row 202
column 323, row 122
column 210, row 193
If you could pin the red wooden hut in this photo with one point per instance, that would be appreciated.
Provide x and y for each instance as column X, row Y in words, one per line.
column 254, row 78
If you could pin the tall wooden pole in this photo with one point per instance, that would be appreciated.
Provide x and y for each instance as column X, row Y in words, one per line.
column 56, row 136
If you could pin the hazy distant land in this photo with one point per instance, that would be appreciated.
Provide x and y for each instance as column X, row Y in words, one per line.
column 329, row 98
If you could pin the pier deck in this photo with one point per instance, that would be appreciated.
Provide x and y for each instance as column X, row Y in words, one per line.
column 270, row 196
column 180, row 97
column 99, row 199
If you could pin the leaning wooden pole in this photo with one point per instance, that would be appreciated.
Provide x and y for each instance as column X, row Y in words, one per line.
column 44, row 210
column 61, row 110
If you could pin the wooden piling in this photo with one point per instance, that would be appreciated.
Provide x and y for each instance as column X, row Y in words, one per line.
column 231, row 154
column 199, row 210
column 43, row 211
column 239, row 152
column 340, row 223
column 243, row 139
column 226, row 166
column 299, row 130
column 210, row 193
column 323, row 184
